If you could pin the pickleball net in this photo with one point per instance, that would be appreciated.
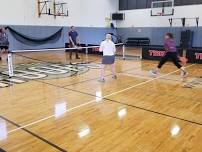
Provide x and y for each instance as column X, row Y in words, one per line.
column 50, row 60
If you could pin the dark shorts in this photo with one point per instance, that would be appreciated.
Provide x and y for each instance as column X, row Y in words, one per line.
column 108, row 59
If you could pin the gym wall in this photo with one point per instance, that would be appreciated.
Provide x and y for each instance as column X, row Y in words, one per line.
column 139, row 23
column 82, row 13
column 87, row 15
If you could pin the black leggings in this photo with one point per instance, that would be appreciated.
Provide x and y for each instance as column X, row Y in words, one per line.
column 170, row 55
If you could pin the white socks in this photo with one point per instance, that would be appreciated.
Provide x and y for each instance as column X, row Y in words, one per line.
column 183, row 68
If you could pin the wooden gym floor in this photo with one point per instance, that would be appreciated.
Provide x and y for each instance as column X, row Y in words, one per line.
column 135, row 113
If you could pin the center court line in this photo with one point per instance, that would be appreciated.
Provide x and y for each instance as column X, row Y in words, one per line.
column 94, row 100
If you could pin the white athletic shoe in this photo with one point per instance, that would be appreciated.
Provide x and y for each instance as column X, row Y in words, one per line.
column 101, row 80
column 153, row 73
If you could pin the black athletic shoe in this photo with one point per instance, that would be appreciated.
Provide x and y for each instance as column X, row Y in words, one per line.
column 184, row 74
column 114, row 77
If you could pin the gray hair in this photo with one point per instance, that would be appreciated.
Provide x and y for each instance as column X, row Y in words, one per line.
column 108, row 36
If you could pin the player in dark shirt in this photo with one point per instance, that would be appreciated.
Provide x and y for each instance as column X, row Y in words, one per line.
column 3, row 41
column 74, row 41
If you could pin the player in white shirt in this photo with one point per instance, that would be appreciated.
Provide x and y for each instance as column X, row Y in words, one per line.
column 108, row 48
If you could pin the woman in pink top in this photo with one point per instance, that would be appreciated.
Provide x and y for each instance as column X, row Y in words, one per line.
column 171, row 53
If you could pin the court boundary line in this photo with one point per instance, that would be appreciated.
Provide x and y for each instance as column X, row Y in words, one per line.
column 105, row 97
column 34, row 135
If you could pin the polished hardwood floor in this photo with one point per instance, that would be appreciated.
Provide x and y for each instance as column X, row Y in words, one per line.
column 77, row 113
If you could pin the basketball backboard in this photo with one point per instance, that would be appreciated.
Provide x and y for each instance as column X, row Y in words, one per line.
column 60, row 8
column 52, row 7
column 162, row 8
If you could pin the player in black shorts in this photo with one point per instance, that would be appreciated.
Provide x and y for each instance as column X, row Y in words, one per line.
column 74, row 42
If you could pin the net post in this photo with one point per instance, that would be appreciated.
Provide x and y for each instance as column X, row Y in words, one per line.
column 124, row 49
column 86, row 50
column 10, row 65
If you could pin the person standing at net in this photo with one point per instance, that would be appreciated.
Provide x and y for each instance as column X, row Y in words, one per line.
column 4, row 44
column 74, row 41
column 171, row 53
column 108, row 48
